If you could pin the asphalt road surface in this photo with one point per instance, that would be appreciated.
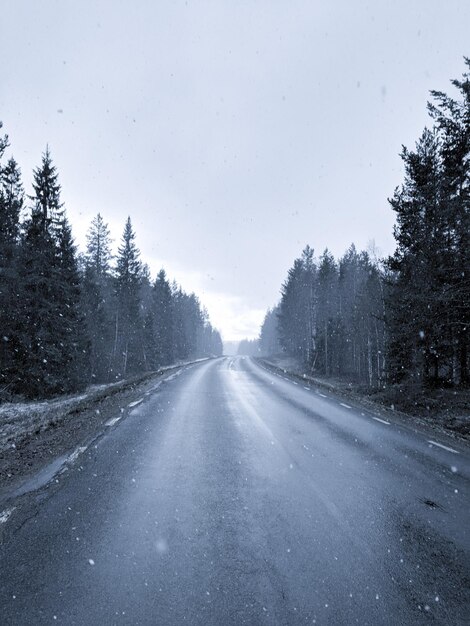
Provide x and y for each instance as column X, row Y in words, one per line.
column 230, row 495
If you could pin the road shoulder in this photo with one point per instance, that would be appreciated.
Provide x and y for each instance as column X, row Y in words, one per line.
column 62, row 428
column 411, row 422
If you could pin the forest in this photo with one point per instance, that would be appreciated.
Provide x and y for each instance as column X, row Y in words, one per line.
column 403, row 320
column 71, row 319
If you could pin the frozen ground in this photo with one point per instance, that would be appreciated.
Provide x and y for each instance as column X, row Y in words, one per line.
column 25, row 419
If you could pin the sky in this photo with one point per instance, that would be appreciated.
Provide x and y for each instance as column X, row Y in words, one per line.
column 233, row 133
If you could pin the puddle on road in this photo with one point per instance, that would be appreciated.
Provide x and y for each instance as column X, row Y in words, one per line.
column 41, row 478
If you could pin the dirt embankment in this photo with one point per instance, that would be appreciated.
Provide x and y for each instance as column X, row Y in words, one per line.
column 443, row 409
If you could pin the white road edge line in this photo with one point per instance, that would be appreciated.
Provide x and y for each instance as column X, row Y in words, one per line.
column 307, row 388
column 346, row 406
column 377, row 419
column 135, row 403
column 440, row 445
column 112, row 421
column 321, row 394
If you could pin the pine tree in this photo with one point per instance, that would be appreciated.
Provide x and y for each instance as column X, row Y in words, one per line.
column 369, row 323
column 428, row 309
column 71, row 328
column 416, row 316
column 46, row 198
column 3, row 142
column 11, row 202
column 39, row 364
column 163, row 312
column 98, row 250
column 147, row 316
column 327, row 315
column 180, row 349
column 297, row 310
column 51, row 343
column 98, row 300
column 453, row 122
column 128, row 350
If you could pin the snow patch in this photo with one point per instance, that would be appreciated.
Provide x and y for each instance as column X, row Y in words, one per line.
column 5, row 515
column 75, row 454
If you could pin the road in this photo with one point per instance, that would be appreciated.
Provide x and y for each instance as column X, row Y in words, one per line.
column 231, row 495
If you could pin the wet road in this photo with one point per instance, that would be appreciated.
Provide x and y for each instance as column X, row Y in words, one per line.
column 233, row 496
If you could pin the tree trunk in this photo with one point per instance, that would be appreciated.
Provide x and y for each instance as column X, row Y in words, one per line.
column 326, row 348
column 369, row 358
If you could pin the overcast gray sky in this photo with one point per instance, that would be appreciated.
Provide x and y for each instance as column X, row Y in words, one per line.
column 233, row 132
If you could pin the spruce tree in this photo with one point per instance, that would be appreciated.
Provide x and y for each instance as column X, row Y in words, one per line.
column 128, row 350
column 51, row 343
column 3, row 142
column 98, row 251
column 416, row 316
column 11, row 202
column 163, row 312
column 98, row 300
column 327, row 316
column 146, row 315
column 452, row 117
column 180, row 349
column 39, row 358
column 297, row 310
column 71, row 329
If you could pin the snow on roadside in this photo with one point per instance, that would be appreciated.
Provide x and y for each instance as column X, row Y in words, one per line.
column 23, row 419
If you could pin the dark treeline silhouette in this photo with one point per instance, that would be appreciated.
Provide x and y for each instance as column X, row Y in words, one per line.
column 68, row 320
column 404, row 320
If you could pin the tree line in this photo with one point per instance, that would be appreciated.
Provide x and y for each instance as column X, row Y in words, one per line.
column 404, row 319
column 70, row 319
column 331, row 316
